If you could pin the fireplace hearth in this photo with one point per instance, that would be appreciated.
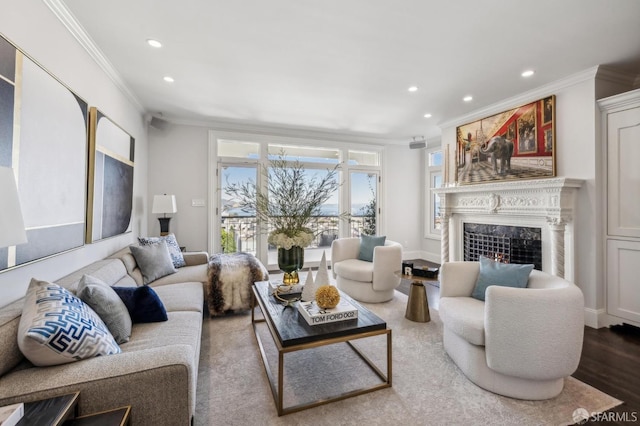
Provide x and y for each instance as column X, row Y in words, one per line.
column 507, row 244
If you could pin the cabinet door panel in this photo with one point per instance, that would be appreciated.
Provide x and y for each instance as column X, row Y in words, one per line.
column 623, row 291
column 624, row 173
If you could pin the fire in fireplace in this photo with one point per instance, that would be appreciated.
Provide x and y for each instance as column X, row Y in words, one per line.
column 507, row 244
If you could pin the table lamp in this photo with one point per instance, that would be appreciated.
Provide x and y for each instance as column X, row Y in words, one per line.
column 164, row 204
column 11, row 223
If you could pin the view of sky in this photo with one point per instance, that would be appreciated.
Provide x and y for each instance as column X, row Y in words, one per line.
column 362, row 184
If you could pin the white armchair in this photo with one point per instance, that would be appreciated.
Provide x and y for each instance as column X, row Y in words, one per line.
column 372, row 282
column 519, row 342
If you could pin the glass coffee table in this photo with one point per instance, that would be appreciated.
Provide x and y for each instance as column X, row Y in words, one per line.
column 291, row 333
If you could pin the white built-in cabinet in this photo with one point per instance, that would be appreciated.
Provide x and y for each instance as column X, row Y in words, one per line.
column 621, row 127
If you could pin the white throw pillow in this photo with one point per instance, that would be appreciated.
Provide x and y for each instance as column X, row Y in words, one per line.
column 57, row 327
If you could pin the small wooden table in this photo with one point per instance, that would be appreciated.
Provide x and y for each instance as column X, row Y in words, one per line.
column 63, row 410
column 50, row 412
column 116, row 417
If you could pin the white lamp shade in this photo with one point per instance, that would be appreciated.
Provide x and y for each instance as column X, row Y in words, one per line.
column 164, row 204
column 11, row 223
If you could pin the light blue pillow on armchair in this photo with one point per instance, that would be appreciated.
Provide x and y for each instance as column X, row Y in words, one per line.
column 367, row 244
column 503, row 274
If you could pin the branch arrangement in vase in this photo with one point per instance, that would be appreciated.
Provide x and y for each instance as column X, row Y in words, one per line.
column 288, row 201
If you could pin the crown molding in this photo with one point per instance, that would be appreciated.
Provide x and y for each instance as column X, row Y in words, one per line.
column 524, row 98
column 617, row 76
column 67, row 18
column 289, row 131
column 618, row 102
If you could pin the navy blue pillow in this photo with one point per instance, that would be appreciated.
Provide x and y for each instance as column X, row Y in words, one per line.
column 143, row 304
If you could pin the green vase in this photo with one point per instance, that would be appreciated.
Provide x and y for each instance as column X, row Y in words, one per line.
column 290, row 261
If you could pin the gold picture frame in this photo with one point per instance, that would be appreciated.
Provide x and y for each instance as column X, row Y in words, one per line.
column 44, row 128
column 111, row 166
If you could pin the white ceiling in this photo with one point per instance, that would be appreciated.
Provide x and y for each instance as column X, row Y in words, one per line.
column 346, row 65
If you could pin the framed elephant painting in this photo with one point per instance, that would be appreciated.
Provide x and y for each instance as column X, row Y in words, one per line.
column 514, row 144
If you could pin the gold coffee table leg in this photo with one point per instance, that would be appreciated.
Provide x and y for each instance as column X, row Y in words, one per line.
column 417, row 305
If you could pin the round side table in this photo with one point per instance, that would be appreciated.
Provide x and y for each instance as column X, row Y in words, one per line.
column 418, row 304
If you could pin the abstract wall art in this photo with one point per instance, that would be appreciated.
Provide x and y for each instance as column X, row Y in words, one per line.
column 111, row 163
column 43, row 138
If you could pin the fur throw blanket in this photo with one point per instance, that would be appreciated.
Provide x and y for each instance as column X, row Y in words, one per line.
column 230, row 279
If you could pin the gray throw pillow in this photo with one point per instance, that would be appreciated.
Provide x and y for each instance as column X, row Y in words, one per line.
column 108, row 305
column 154, row 261
column 174, row 248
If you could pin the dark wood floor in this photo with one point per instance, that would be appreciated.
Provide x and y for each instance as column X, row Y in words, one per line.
column 610, row 362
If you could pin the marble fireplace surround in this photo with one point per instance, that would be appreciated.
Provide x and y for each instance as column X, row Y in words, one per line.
column 548, row 204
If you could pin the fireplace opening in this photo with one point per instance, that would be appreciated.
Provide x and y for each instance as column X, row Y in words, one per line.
column 507, row 244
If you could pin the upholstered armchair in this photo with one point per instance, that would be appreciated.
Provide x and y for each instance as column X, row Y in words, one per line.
column 372, row 282
column 518, row 342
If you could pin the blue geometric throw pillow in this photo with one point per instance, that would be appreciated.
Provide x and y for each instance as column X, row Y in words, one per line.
column 57, row 327
column 143, row 304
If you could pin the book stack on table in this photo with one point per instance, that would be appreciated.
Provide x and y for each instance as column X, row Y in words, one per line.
column 315, row 315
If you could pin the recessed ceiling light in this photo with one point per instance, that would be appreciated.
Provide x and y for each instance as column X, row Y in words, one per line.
column 427, row 115
column 413, row 89
column 467, row 98
column 153, row 43
column 169, row 79
column 528, row 73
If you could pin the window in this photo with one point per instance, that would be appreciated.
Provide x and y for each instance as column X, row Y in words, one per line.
column 305, row 154
column 239, row 157
column 364, row 158
column 364, row 203
column 238, row 149
column 238, row 228
column 433, row 223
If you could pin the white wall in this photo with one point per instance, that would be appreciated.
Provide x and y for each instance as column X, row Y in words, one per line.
column 34, row 29
column 403, row 213
column 178, row 159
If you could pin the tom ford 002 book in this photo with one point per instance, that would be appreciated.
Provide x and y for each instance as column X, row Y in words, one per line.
column 315, row 315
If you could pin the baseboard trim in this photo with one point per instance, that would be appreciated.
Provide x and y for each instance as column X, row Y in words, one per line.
column 421, row 254
column 599, row 318
column 594, row 318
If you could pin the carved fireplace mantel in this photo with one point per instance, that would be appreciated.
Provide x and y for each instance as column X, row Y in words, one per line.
column 548, row 204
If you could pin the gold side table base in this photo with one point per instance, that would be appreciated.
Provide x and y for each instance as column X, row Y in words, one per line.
column 417, row 305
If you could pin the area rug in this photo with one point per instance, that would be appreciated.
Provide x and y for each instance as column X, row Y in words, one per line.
column 428, row 388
